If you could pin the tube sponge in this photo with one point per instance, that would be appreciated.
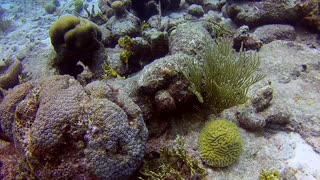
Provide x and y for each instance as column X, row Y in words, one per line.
column 220, row 143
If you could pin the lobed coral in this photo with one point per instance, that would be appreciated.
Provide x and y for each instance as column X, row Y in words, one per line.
column 64, row 131
column 74, row 39
column 74, row 34
column 220, row 143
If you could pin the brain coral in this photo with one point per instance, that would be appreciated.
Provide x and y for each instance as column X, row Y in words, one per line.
column 62, row 130
column 220, row 143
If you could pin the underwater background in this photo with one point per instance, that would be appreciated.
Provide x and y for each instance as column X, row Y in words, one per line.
column 160, row 89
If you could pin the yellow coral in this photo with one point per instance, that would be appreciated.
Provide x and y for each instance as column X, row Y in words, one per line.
column 220, row 143
column 76, row 34
column 60, row 27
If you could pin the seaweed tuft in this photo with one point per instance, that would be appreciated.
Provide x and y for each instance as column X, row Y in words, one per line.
column 224, row 77
column 174, row 163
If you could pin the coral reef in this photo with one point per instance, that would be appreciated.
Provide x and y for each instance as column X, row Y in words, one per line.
column 62, row 130
column 220, row 143
column 188, row 39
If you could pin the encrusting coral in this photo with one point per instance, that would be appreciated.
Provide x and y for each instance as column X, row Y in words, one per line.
column 220, row 143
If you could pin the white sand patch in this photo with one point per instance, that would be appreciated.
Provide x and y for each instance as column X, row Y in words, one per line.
column 306, row 161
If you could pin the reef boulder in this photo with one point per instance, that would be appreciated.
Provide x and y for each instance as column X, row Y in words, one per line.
column 257, row 13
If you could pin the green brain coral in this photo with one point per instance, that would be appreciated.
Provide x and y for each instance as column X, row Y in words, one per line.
column 220, row 143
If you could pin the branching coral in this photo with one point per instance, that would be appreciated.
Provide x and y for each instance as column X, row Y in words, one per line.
column 223, row 79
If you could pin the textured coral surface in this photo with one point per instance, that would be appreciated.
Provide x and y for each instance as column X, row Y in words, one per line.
column 61, row 131
column 220, row 143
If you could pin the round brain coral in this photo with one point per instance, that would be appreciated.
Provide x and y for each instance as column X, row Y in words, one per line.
column 220, row 143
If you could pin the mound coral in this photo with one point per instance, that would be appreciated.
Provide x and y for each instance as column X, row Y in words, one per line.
column 220, row 143
column 62, row 130
column 74, row 39
column 75, row 34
